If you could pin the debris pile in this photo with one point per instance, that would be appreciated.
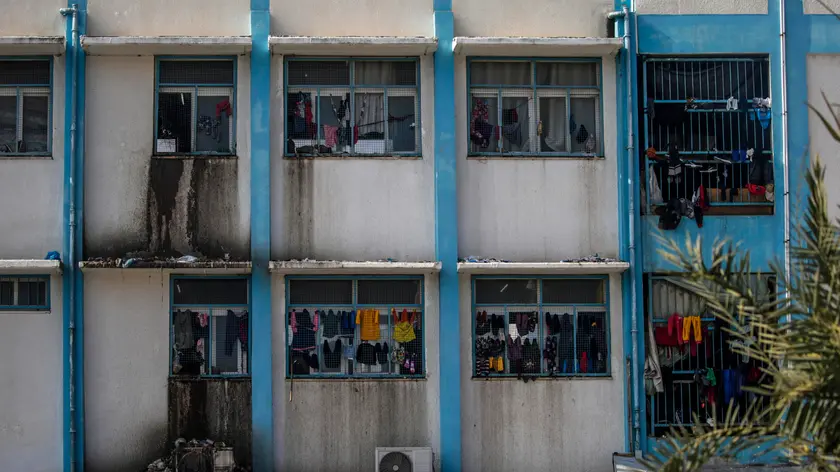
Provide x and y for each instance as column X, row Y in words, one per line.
column 151, row 261
column 197, row 456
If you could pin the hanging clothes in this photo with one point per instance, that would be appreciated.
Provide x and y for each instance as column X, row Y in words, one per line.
column 368, row 319
column 653, row 372
column 404, row 326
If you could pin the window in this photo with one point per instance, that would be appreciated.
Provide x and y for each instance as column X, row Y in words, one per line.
column 707, row 122
column 195, row 106
column 210, row 331
column 538, row 107
column 355, row 327
column 24, row 294
column 25, row 101
column 360, row 107
column 540, row 326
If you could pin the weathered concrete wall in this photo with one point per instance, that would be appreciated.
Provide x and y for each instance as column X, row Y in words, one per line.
column 813, row 7
column 538, row 209
column 219, row 409
column 702, row 7
column 557, row 424
column 167, row 18
column 348, row 419
column 42, row 18
column 126, row 368
column 353, row 209
column 31, row 420
column 31, row 189
column 575, row 18
column 352, row 18
column 822, row 77
column 138, row 203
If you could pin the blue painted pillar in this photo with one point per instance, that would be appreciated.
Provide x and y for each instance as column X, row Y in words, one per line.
column 446, row 239
column 262, row 413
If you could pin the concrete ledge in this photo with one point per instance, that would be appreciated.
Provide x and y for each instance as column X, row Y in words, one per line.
column 29, row 266
column 543, row 268
column 154, row 45
column 525, row 46
column 353, row 268
column 32, row 45
column 198, row 268
column 350, row 45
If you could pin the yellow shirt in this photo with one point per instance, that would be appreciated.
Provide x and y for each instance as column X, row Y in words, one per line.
column 369, row 321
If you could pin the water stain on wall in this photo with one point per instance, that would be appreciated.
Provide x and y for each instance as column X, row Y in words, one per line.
column 298, row 188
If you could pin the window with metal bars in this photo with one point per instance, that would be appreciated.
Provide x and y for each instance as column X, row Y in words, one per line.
column 355, row 327
column 708, row 122
column 195, row 107
column 355, row 107
column 209, row 327
column 540, row 326
column 25, row 107
column 549, row 107
column 24, row 293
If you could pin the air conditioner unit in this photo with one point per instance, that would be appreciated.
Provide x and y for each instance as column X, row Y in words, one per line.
column 404, row 459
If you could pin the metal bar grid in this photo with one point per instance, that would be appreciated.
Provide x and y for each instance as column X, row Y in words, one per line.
column 21, row 91
column 482, row 330
column 703, row 110
column 302, row 141
column 348, row 364
column 10, row 293
column 535, row 94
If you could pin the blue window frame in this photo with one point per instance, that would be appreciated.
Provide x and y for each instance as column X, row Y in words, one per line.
column 25, row 293
column 325, row 340
column 25, row 106
column 541, row 326
column 535, row 107
column 352, row 106
column 195, row 106
column 209, row 325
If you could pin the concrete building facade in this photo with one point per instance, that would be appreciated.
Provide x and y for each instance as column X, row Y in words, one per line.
column 311, row 230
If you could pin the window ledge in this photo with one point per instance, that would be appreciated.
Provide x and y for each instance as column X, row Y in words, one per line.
column 528, row 46
column 32, row 45
column 24, row 157
column 349, row 45
column 535, row 157
column 195, row 156
column 308, row 267
column 199, row 268
column 157, row 45
column 327, row 378
column 341, row 157
column 29, row 266
column 543, row 268
column 541, row 377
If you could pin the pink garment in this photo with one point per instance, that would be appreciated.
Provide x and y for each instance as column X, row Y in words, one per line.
column 293, row 322
column 330, row 135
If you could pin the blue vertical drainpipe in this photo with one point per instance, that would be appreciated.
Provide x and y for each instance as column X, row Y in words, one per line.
column 73, row 218
column 446, row 239
column 262, row 414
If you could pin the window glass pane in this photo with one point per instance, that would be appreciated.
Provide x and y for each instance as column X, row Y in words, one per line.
column 32, row 293
column 196, row 72
column 390, row 292
column 592, row 342
column 386, row 73
column 402, row 122
column 505, row 291
column 215, row 118
column 500, row 73
column 7, row 293
column 8, row 122
column 174, row 122
column 210, row 291
column 567, row 73
column 321, row 291
column 370, row 121
column 563, row 291
column 24, row 72
column 586, row 120
column 554, row 124
column 230, row 341
column 483, row 123
column 36, row 123
column 318, row 72
column 516, row 124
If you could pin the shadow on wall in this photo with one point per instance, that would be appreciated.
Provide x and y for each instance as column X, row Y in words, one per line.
column 192, row 207
column 217, row 409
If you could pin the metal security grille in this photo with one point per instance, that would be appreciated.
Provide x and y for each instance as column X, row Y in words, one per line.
column 536, row 107
column 707, row 122
column 210, row 328
column 527, row 327
column 195, row 107
column 24, row 293
column 355, row 327
column 25, row 107
column 356, row 107
column 688, row 388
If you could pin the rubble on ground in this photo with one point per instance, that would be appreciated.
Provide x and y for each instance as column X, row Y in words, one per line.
column 197, row 456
